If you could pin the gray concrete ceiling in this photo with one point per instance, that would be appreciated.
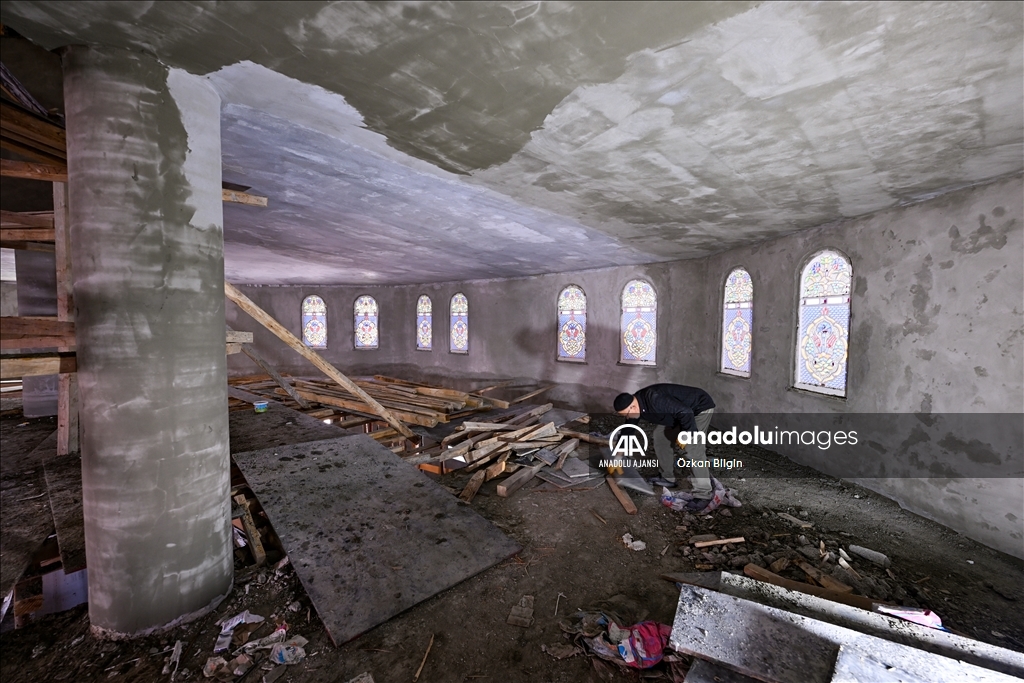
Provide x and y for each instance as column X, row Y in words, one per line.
column 420, row 142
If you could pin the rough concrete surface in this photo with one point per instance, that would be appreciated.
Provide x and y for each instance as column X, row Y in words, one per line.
column 447, row 141
column 145, row 204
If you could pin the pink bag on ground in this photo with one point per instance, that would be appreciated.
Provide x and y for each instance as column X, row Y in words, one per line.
column 643, row 648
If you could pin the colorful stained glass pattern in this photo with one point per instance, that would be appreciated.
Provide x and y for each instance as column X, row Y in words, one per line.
column 823, row 337
column 366, row 321
column 572, row 324
column 737, row 323
column 459, row 328
column 314, row 322
column 639, row 323
column 424, row 324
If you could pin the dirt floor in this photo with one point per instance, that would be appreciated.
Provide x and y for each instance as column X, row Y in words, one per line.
column 572, row 559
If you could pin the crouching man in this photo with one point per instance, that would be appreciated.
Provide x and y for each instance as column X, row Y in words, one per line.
column 673, row 408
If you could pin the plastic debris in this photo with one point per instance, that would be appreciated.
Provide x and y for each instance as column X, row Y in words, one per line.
column 289, row 651
column 627, row 540
column 644, row 644
column 213, row 666
column 683, row 500
column 266, row 642
column 228, row 626
column 924, row 617
column 171, row 667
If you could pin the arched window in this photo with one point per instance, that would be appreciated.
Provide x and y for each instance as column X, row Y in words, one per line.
column 314, row 322
column 367, row 332
column 639, row 323
column 822, row 340
column 459, row 328
column 572, row 324
column 737, row 323
column 424, row 324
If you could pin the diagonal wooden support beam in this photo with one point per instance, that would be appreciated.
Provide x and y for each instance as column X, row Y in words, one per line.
column 257, row 358
column 282, row 333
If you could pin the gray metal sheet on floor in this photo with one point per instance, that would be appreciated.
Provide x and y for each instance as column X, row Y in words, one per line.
column 369, row 535
column 64, row 484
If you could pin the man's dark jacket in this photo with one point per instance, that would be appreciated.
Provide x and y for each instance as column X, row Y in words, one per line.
column 673, row 405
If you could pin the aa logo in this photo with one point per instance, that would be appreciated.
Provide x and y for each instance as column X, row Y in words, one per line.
column 625, row 442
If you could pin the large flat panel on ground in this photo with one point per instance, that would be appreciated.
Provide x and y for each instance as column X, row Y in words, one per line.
column 64, row 483
column 369, row 535
column 249, row 430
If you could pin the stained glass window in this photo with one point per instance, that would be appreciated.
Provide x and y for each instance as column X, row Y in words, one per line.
column 737, row 323
column 367, row 333
column 639, row 323
column 572, row 324
column 424, row 324
column 824, row 334
column 459, row 327
column 314, row 322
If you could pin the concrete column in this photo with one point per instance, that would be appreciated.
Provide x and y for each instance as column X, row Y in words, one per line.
column 144, row 171
column 37, row 295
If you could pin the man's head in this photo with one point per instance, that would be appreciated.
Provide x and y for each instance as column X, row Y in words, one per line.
column 627, row 405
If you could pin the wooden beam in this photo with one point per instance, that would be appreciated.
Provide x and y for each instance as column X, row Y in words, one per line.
column 34, row 219
column 26, row 234
column 44, row 247
column 26, row 148
column 517, row 480
column 28, row 332
column 282, row 333
column 537, row 392
column 243, row 198
column 45, row 134
column 257, row 358
column 236, row 337
column 232, row 349
column 31, row 170
column 28, row 365
column 627, row 503
column 358, row 407
column 762, row 574
column 67, row 384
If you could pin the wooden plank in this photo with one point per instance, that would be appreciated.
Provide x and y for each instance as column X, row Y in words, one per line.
column 257, row 358
column 28, row 365
column 473, row 486
column 33, row 332
column 364, row 409
column 518, row 480
column 64, row 485
column 497, row 468
column 26, row 234
column 67, row 384
column 537, row 392
column 42, row 247
column 255, row 543
column 32, row 170
column 621, row 496
column 237, row 337
column 231, row 349
column 44, row 133
column 600, row 441
column 242, row 198
column 31, row 219
column 262, row 317
column 721, row 541
column 825, row 580
column 761, row 574
column 361, row 557
column 22, row 146
column 790, row 648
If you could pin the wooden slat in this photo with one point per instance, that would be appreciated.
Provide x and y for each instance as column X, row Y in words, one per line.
column 762, row 574
column 236, row 337
column 35, row 219
column 37, row 364
column 26, row 234
column 532, row 394
column 363, row 408
column 44, row 133
column 242, row 198
column 627, row 503
column 67, row 384
column 262, row 317
column 45, row 247
column 19, row 144
column 518, row 480
column 257, row 358
column 30, row 332
column 32, row 170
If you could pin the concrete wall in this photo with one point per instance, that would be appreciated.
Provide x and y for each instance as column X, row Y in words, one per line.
column 936, row 327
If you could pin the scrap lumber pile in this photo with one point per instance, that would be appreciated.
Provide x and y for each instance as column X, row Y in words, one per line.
column 519, row 443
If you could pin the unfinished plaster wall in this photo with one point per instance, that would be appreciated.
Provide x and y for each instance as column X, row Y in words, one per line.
column 937, row 327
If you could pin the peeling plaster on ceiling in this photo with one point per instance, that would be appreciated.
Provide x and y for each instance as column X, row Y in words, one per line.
column 340, row 213
column 583, row 134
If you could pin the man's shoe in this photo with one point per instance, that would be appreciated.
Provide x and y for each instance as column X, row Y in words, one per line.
column 658, row 481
